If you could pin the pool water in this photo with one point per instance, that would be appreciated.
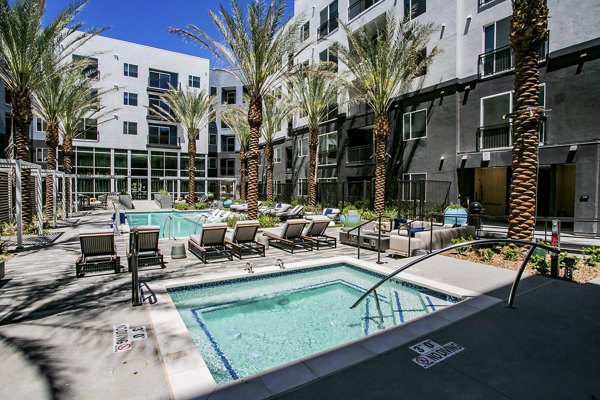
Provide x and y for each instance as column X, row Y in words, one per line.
column 247, row 325
column 184, row 223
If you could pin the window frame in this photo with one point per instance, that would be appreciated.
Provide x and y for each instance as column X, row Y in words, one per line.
column 192, row 80
column 305, row 31
column 127, row 70
column 40, row 124
column 127, row 127
column 410, row 114
column 414, row 11
column 300, row 147
column 43, row 151
column 211, row 163
column 128, row 99
column 277, row 155
column 302, row 183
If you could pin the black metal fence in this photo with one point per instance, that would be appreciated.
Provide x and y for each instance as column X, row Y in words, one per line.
column 419, row 198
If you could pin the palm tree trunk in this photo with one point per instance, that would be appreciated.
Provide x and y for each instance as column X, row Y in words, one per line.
column 52, row 143
column 313, row 143
column 68, row 157
column 269, row 169
column 191, row 200
column 22, row 118
column 523, row 187
column 381, row 133
column 255, row 121
column 242, row 173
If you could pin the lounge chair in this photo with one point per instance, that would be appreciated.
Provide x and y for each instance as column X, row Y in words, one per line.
column 98, row 252
column 243, row 239
column 279, row 208
column 293, row 213
column 290, row 236
column 148, row 252
column 210, row 242
column 316, row 232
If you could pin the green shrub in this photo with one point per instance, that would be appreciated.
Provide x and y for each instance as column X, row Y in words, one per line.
column 200, row 206
column 539, row 263
column 231, row 221
column 565, row 259
column 463, row 249
column 180, row 206
column 269, row 204
column 163, row 192
column 511, row 253
column 268, row 221
column 486, row 253
column 348, row 207
column 367, row 214
column 8, row 229
column 390, row 212
column 593, row 255
column 362, row 204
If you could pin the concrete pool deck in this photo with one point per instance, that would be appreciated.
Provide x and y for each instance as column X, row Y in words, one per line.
column 56, row 334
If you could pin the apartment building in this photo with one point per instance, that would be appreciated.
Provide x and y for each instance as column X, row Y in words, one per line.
column 129, row 146
column 450, row 126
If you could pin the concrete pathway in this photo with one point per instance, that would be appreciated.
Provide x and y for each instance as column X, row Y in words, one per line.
column 56, row 333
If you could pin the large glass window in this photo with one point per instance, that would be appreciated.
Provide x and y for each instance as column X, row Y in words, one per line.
column 165, row 135
column 328, row 19
column 120, row 167
column 415, row 124
column 358, row 6
column 327, row 150
column 87, row 129
column 228, row 95
column 493, row 108
column 84, row 161
column 90, row 69
column 101, row 161
column 328, row 56
column 305, row 31
column 162, row 79
column 130, row 70
column 302, row 187
column 139, row 163
column 227, row 143
column 155, row 102
column 414, row 8
column 302, row 147
column 227, row 167
column 41, row 154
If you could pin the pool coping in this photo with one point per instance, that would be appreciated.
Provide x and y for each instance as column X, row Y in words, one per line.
column 189, row 377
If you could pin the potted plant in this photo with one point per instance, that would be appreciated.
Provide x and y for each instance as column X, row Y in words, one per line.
column 227, row 203
column 455, row 214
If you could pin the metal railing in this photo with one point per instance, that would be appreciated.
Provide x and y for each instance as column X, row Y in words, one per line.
column 379, row 230
column 327, row 27
column 502, row 59
column 359, row 6
column 494, row 137
column 513, row 290
column 327, row 157
column 360, row 154
column 136, row 299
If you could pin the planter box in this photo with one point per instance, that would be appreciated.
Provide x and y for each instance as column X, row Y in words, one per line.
column 126, row 200
column 164, row 201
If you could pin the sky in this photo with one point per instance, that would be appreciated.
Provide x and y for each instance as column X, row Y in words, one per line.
column 146, row 21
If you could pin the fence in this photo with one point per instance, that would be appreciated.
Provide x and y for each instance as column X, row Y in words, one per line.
column 418, row 198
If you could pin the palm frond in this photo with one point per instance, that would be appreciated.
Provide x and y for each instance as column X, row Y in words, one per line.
column 237, row 119
column 275, row 111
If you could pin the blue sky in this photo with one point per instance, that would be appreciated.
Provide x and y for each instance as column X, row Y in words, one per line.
column 146, row 21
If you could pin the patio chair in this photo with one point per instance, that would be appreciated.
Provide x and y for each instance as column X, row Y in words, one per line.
column 243, row 239
column 316, row 232
column 148, row 252
column 210, row 242
column 98, row 252
column 290, row 236
column 294, row 212
column 279, row 208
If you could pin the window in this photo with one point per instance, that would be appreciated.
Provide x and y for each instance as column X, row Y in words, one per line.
column 302, row 147
column 88, row 129
column 90, row 66
column 228, row 95
column 495, row 131
column 302, row 186
column 129, row 128
column 328, row 17
column 497, row 55
column 277, row 155
column 162, row 79
column 358, row 6
column 41, row 154
column 212, row 163
column 415, row 124
column 154, row 102
column 327, row 150
column 327, row 56
column 130, row 99
column 130, row 70
column 194, row 81
column 212, row 139
column 213, row 91
column 227, row 167
column 277, row 188
column 413, row 186
column 40, row 124
column 227, row 143
column 162, row 135
column 421, row 62
column 224, row 125
column 305, row 31
column 495, row 35
column 414, row 8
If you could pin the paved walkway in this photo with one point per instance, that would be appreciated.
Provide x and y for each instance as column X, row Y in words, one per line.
column 56, row 333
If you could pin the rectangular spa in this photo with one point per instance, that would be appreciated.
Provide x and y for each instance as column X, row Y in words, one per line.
column 245, row 325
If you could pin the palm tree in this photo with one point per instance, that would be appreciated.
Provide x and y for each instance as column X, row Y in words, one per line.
column 275, row 111
column 383, row 69
column 256, row 50
column 529, row 30
column 314, row 91
column 237, row 119
column 25, row 41
column 192, row 109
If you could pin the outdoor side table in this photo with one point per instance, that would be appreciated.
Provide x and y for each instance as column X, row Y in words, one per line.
column 178, row 251
column 260, row 238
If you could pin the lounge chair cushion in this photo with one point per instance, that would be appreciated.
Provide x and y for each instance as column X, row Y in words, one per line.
column 327, row 211
column 95, row 231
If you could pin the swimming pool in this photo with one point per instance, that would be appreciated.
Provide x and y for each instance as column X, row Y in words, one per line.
column 180, row 223
column 246, row 325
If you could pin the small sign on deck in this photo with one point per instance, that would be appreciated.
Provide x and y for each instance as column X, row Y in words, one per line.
column 431, row 353
column 123, row 336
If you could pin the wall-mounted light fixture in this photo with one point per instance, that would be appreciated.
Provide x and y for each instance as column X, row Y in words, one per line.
column 116, row 56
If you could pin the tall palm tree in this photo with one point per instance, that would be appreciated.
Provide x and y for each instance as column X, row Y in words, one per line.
column 275, row 111
column 192, row 109
column 25, row 41
column 256, row 48
column 383, row 69
column 314, row 91
column 81, row 101
column 237, row 119
column 529, row 30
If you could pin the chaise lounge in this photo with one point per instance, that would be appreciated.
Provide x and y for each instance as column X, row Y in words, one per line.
column 290, row 236
column 148, row 252
column 243, row 239
column 210, row 242
column 98, row 252
column 316, row 232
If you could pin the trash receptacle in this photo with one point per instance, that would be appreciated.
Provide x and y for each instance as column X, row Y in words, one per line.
column 475, row 211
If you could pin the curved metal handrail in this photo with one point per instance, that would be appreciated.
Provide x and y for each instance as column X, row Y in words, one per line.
column 470, row 243
column 378, row 218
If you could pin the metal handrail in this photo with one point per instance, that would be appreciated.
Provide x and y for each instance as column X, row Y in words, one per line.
column 198, row 222
column 513, row 290
column 379, row 217
column 170, row 225
column 135, row 282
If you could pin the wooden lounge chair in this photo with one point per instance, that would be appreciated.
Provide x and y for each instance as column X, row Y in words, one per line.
column 243, row 239
column 98, row 252
column 290, row 236
column 293, row 213
column 210, row 242
column 316, row 232
column 149, row 253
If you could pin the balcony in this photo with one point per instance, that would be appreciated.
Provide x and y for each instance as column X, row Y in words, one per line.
column 502, row 60
column 359, row 6
column 162, row 80
column 328, row 157
column 360, row 154
column 499, row 137
column 326, row 28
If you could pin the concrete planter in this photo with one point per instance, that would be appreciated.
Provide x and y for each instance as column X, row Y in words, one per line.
column 164, row 200
column 126, row 200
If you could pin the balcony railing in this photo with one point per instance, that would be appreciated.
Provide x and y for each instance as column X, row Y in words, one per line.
column 502, row 59
column 327, row 157
column 496, row 137
column 326, row 28
column 162, row 83
column 359, row 6
column 359, row 154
